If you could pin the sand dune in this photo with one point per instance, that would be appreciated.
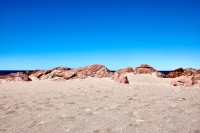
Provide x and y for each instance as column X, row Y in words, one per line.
column 93, row 105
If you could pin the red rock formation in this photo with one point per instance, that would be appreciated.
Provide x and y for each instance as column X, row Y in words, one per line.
column 95, row 70
column 176, row 73
column 19, row 76
column 190, row 72
column 61, row 68
column 146, row 69
column 69, row 74
column 39, row 73
column 197, row 76
column 120, row 78
column 183, row 81
column 103, row 72
column 125, row 70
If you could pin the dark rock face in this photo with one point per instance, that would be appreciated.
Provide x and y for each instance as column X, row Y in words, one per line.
column 176, row 73
column 183, row 72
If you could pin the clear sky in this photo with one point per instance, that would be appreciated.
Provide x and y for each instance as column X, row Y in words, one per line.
column 41, row 34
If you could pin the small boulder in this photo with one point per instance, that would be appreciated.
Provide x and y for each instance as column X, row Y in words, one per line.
column 120, row 78
column 69, row 74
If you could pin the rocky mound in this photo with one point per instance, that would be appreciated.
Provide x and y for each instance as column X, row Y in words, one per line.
column 146, row 69
column 19, row 76
column 120, row 77
column 176, row 73
column 64, row 73
column 184, row 81
column 184, row 72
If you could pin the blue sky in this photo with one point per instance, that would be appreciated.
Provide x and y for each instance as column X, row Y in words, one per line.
column 41, row 34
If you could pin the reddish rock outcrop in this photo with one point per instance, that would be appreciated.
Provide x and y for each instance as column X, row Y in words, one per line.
column 103, row 72
column 125, row 70
column 176, row 73
column 39, row 73
column 69, row 74
column 197, row 76
column 190, row 72
column 120, row 78
column 19, row 76
column 61, row 68
column 95, row 70
column 146, row 69
column 183, row 81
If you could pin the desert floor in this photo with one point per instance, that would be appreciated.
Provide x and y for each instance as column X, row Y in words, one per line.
column 147, row 105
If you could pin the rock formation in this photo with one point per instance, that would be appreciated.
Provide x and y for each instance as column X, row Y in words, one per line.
column 146, row 69
column 183, row 81
column 19, row 76
column 125, row 70
column 100, row 71
column 184, row 72
column 176, row 73
column 197, row 76
column 190, row 72
column 120, row 78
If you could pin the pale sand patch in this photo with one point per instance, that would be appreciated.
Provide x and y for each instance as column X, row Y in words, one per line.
column 147, row 104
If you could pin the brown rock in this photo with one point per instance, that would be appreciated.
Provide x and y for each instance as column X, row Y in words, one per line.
column 39, row 73
column 146, row 69
column 120, row 78
column 103, row 72
column 61, row 68
column 197, row 76
column 95, row 70
column 18, row 76
column 184, row 81
column 190, row 72
column 69, row 74
column 176, row 73
column 125, row 70
column 158, row 74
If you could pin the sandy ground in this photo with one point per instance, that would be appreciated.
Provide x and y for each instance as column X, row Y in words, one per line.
column 147, row 105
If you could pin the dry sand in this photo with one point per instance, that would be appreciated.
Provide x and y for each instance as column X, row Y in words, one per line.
column 147, row 105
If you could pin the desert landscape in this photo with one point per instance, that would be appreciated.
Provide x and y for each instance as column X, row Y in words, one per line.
column 144, row 103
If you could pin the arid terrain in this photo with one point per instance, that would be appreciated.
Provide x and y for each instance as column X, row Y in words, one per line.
column 99, row 105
